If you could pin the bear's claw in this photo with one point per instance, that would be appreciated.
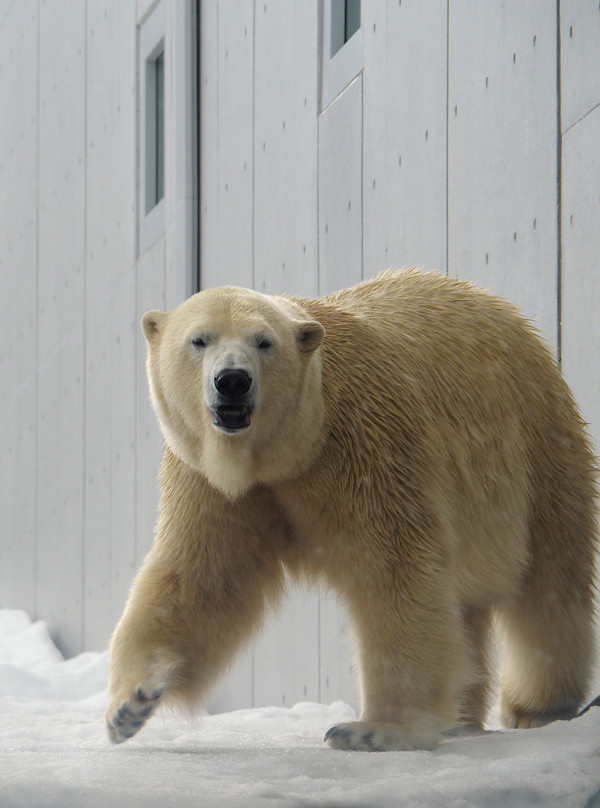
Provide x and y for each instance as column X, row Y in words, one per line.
column 365, row 736
column 132, row 715
column 347, row 738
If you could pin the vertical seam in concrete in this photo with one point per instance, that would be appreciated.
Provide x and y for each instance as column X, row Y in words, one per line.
column 136, row 295
column 84, row 269
column 362, row 174
column 320, row 29
column 36, row 483
column 196, row 146
column 558, row 189
column 447, row 135
column 253, row 259
column 253, row 222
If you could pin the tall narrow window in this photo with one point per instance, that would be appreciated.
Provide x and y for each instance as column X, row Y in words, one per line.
column 342, row 49
column 153, row 87
column 345, row 22
column 167, row 132
column 351, row 18
column 155, row 129
column 160, row 127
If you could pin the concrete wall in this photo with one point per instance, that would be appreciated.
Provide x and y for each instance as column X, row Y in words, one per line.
column 465, row 143
column 580, row 205
column 81, row 452
column 461, row 136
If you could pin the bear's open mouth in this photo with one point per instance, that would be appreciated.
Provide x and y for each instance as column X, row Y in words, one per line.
column 232, row 417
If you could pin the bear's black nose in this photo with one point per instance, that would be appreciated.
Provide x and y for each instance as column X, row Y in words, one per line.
column 233, row 382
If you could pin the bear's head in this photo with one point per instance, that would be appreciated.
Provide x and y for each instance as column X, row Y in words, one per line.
column 235, row 379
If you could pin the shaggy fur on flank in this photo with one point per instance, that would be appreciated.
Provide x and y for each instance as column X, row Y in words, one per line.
column 411, row 442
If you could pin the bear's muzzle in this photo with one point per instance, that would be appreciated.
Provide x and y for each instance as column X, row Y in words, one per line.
column 234, row 406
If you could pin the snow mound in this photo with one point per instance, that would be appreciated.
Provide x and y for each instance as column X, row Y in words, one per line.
column 31, row 665
column 53, row 751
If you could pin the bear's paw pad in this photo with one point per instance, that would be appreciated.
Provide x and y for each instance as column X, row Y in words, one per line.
column 365, row 736
column 131, row 716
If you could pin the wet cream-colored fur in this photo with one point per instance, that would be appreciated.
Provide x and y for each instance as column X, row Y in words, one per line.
column 410, row 441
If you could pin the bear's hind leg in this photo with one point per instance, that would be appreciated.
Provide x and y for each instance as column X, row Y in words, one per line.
column 548, row 625
column 476, row 698
column 548, row 630
column 547, row 658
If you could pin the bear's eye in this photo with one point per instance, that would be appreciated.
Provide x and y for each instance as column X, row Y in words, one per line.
column 264, row 344
column 199, row 342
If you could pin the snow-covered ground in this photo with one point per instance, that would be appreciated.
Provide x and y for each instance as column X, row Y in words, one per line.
column 53, row 751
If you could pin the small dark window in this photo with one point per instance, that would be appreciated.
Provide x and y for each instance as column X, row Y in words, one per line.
column 351, row 18
column 160, row 127
column 345, row 22
column 155, row 129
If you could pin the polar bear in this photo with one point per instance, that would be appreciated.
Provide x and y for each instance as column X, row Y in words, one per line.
column 411, row 442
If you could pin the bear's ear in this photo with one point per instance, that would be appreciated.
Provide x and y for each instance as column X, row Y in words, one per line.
column 152, row 323
column 310, row 335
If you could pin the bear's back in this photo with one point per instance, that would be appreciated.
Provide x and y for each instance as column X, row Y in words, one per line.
column 432, row 341
column 437, row 392
column 426, row 376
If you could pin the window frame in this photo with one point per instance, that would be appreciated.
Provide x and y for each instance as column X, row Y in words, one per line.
column 174, row 27
column 152, row 42
column 341, row 61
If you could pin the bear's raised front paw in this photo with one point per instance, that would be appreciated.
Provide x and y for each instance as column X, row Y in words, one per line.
column 366, row 736
column 131, row 715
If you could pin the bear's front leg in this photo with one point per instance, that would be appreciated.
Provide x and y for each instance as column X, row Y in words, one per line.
column 199, row 596
column 414, row 665
column 147, row 661
column 128, row 713
column 179, row 631
column 140, row 675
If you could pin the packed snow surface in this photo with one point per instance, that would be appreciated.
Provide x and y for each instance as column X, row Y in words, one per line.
column 53, row 751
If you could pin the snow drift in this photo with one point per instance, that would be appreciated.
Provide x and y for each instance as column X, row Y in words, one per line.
column 53, row 751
